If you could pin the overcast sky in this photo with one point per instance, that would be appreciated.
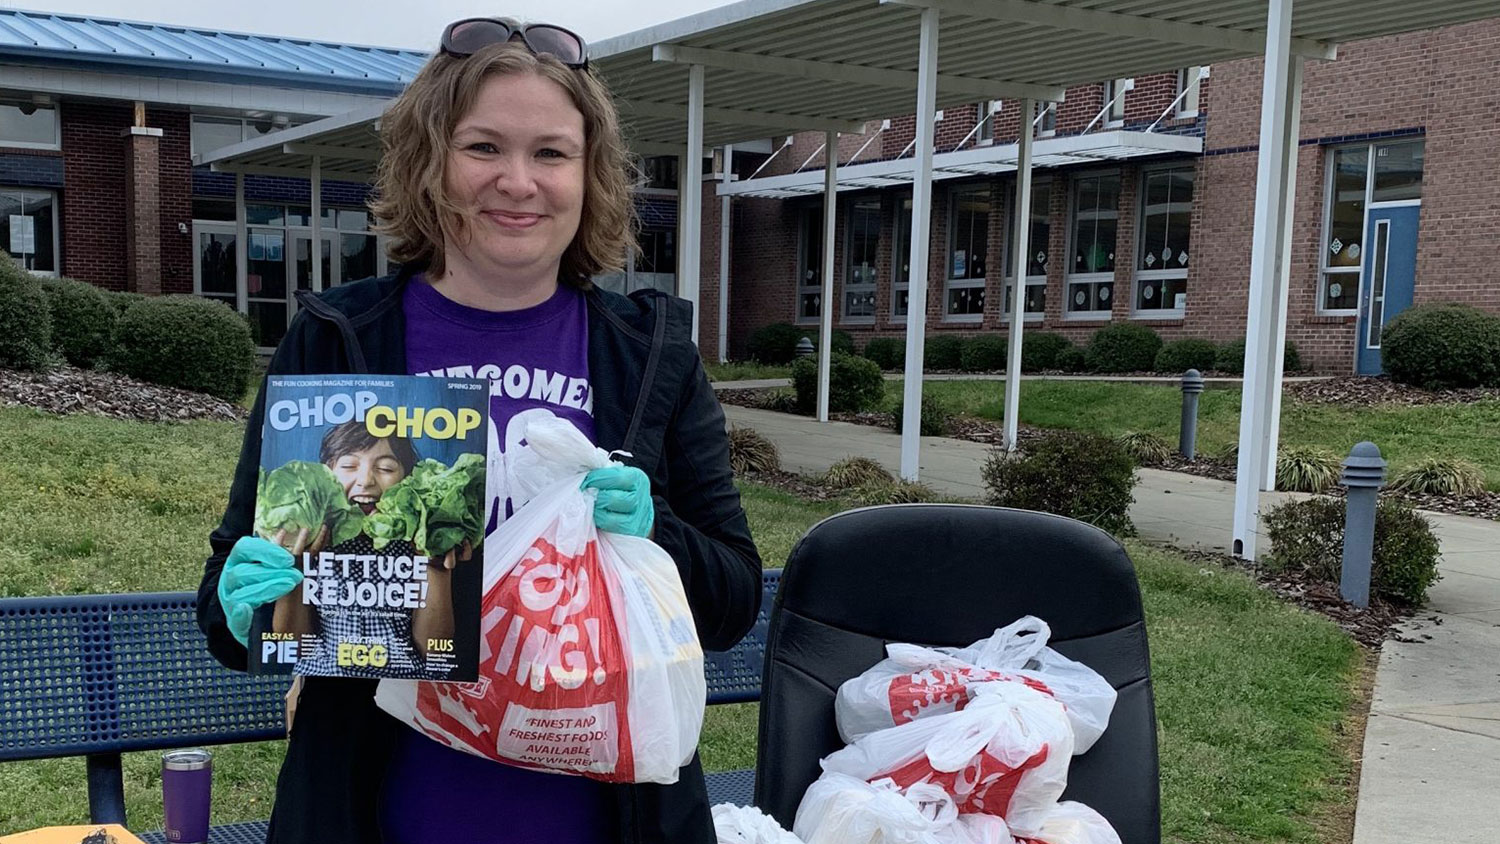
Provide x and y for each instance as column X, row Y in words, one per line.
column 382, row 23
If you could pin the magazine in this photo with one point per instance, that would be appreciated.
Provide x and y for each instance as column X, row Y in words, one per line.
column 376, row 485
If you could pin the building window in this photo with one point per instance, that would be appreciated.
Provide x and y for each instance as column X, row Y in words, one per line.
column 209, row 134
column 901, row 260
column 1091, row 273
column 659, row 172
column 968, row 247
column 28, row 228
column 1114, row 95
column 1188, row 81
column 1038, row 238
column 861, row 251
column 1046, row 123
column 984, row 112
column 657, row 251
column 810, row 266
column 29, row 126
column 1353, row 184
column 1166, row 224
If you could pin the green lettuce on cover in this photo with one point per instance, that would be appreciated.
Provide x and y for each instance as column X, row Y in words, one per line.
column 301, row 494
column 436, row 507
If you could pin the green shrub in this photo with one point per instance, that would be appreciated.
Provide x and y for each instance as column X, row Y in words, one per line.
column 854, row 472
column 25, row 322
column 122, row 300
column 1039, row 351
column 1179, row 356
column 943, row 352
column 775, row 344
column 934, row 417
column 1122, row 347
column 83, row 320
column 854, row 384
column 1308, row 537
column 1070, row 359
column 1083, row 476
column 750, row 451
column 780, row 401
column 186, row 341
column 887, row 352
column 1440, row 476
column 1231, row 358
column 843, row 342
column 982, row 354
column 1437, row 346
column 1306, row 469
column 892, row 492
column 1146, row 449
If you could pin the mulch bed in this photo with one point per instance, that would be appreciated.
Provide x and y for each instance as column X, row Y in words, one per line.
column 70, row 390
column 1369, row 626
column 1369, row 391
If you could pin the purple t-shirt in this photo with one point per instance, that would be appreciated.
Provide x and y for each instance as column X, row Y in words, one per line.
column 537, row 363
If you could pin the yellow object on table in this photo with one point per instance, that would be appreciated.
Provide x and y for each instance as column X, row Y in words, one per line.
column 108, row 833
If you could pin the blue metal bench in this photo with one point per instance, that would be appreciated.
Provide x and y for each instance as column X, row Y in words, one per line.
column 100, row 675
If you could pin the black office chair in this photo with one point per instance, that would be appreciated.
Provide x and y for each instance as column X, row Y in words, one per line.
column 949, row 575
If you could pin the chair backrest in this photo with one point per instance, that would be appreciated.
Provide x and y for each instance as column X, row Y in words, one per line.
column 84, row 674
column 949, row 575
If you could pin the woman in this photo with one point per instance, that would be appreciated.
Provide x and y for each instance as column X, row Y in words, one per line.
column 504, row 189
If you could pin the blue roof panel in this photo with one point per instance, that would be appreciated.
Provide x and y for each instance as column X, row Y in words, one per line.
column 80, row 40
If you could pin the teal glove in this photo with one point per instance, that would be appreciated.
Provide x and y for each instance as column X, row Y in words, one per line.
column 624, row 502
column 257, row 572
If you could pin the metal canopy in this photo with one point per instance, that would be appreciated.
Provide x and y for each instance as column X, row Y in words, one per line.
column 978, row 161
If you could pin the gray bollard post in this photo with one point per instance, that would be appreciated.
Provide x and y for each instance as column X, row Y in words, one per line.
column 805, row 347
column 1364, row 475
column 1192, row 387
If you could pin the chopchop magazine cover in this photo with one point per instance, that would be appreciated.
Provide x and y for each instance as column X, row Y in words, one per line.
column 376, row 485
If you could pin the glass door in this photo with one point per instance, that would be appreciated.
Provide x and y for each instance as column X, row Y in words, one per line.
column 301, row 261
column 213, row 267
column 268, row 297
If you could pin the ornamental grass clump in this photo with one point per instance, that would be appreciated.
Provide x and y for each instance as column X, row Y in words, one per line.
column 1440, row 476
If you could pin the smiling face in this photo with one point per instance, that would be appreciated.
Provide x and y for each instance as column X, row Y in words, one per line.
column 368, row 473
column 516, row 168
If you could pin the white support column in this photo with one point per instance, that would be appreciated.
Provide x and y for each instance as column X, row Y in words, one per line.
column 825, row 312
column 1265, row 328
column 724, row 234
column 690, row 195
column 241, row 247
column 1021, row 218
column 316, row 247
column 921, row 222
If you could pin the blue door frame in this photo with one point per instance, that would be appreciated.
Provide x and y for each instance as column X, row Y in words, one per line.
column 1389, row 277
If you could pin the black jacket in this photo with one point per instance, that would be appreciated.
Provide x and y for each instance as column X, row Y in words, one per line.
column 651, row 398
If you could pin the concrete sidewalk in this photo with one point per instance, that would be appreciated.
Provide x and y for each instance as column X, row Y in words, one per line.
column 1431, row 768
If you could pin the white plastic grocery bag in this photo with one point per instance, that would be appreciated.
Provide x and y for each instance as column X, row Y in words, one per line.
column 1004, row 754
column 589, row 660
column 840, row 809
column 915, row 682
column 1074, row 823
column 748, row 825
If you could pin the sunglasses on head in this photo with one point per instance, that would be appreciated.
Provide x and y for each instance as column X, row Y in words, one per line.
column 466, row 37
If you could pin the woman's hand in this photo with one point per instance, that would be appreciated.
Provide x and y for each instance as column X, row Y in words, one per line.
column 256, row 573
column 624, row 501
column 298, row 543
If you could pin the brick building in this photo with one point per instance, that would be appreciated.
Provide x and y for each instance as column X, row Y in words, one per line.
column 1402, row 127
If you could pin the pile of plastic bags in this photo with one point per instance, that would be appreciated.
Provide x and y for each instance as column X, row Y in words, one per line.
column 960, row 746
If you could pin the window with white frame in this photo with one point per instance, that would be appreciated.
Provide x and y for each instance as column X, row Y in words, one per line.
column 1037, row 240
column 810, row 265
column 1166, row 225
column 1046, row 124
column 29, row 125
column 1188, row 82
column 1095, row 215
column 1352, row 184
column 968, row 253
column 901, row 260
column 208, row 134
column 984, row 114
column 28, row 228
column 861, row 252
column 1114, row 94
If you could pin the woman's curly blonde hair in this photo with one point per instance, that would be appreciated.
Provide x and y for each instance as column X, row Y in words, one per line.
column 411, row 204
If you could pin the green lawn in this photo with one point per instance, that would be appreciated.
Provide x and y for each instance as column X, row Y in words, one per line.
column 745, row 371
column 1251, row 694
column 1404, row 434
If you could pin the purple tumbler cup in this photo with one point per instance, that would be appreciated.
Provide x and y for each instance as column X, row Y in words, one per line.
column 186, row 782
